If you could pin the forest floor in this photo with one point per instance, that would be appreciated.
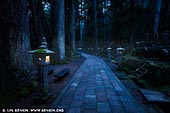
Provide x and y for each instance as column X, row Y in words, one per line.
column 133, row 88
column 56, row 86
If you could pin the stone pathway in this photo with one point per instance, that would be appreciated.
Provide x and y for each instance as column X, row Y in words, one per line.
column 96, row 89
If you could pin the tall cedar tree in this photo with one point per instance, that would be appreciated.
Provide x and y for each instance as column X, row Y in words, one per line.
column 15, row 43
column 58, row 22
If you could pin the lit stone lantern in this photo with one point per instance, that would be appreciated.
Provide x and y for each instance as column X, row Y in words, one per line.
column 41, row 58
column 120, row 52
column 108, row 52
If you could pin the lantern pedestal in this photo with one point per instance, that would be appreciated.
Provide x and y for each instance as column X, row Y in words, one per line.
column 43, row 89
column 42, row 81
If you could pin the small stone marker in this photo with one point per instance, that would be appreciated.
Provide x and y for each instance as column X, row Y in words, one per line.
column 155, row 96
column 120, row 51
column 109, row 52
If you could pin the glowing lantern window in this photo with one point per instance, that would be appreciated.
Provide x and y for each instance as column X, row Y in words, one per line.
column 39, row 59
column 47, row 59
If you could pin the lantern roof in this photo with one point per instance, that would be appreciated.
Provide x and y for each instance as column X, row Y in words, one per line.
column 47, row 51
column 42, row 49
column 120, row 49
column 109, row 48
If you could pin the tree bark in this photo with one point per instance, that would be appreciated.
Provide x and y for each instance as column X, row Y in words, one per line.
column 132, row 6
column 37, row 18
column 157, row 19
column 15, row 61
column 4, row 45
column 58, row 13
column 20, row 42
column 95, row 23
column 72, row 27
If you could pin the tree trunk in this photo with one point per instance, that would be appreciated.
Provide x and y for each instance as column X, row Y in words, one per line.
column 72, row 26
column 16, row 62
column 157, row 19
column 95, row 23
column 58, row 13
column 37, row 18
column 81, row 32
column 4, row 45
column 20, row 42
column 132, row 31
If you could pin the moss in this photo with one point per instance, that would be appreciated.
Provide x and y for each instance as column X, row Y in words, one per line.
column 32, row 86
column 159, row 65
column 150, row 84
column 130, row 64
column 64, row 62
column 40, row 51
column 145, row 83
column 74, row 57
column 23, row 92
column 28, row 89
column 6, row 100
column 55, row 60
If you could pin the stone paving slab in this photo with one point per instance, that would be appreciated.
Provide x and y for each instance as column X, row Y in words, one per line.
column 96, row 89
column 155, row 96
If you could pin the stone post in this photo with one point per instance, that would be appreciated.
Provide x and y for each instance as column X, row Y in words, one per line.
column 108, row 53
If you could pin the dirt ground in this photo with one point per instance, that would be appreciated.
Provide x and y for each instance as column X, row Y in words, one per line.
column 56, row 86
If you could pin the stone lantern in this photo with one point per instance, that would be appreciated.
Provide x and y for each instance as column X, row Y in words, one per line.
column 91, row 50
column 41, row 59
column 88, row 49
column 119, row 52
column 98, row 51
column 108, row 52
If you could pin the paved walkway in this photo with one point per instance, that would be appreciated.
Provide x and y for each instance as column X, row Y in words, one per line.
column 95, row 89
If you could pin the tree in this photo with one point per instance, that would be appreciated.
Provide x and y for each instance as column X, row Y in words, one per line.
column 58, row 22
column 72, row 26
column 95, row 23
column 15, row 44
column 132, row 8
column 157, row 18
column 36, row 23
